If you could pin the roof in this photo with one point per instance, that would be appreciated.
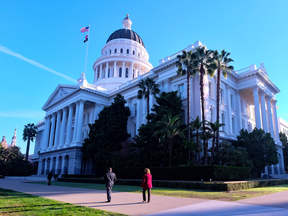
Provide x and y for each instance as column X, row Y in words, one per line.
column 126, row 34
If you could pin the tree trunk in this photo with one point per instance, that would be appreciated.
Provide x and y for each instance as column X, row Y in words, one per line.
column 212, row 153
column 188, row 105
column 198, row 147
column 218, row 103
column 203, row 107
column 27, row 150
column 148, row 98
column 170, row 151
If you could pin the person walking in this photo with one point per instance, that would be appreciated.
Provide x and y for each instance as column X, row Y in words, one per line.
column 146, row 184
column 49, row 177
column 110, row 179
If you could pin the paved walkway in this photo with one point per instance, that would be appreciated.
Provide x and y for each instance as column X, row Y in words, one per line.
column 130, row 203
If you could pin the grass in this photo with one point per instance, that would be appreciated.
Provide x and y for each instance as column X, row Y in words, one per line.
column 189, row 193
column 16, row 203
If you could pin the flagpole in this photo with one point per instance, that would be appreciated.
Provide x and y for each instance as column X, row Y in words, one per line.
column 87, row 50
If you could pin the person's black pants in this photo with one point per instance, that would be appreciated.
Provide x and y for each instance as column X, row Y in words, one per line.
column 49, row 181
column 149, row 194
column 108, row 189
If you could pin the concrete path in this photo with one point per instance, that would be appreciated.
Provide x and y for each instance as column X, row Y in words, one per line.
column 130, row 203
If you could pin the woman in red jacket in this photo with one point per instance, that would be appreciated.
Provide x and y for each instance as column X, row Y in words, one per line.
column 147, row 184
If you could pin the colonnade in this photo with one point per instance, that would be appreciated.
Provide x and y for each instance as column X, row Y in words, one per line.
column 109, row 70
column 271, row 124
column 60, row 132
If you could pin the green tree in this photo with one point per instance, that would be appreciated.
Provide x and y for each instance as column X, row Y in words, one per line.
column 222, row 60
column 260, row 147
column 29, row 133
column 108, row 133
column 205, row 65
column 215, row 127
column 186, row 66
column 196, row 126
column 150, row 151
column 169, row 129
column 147, row 87
column 283, row 139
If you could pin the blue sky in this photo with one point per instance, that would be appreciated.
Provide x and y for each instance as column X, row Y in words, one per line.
column 48, row 32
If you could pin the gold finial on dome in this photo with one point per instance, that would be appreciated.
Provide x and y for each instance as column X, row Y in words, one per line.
column 127, row 15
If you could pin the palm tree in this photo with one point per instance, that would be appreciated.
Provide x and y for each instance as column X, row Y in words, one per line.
column 169, row 128
column 222, row 60
column 147, row 87
column 186, row 60
column 214, row 129
column 206, row 65
column 29, row 133
column 196, row 126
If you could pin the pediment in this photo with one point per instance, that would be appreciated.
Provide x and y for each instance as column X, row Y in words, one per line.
column 59, row 93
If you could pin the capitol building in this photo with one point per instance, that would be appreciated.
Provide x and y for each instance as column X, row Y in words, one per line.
column 248, row 100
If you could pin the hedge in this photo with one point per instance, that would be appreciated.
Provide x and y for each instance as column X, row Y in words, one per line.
column 225, row 173
column 216, row 186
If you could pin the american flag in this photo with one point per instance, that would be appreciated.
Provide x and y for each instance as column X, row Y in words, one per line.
column 84, row 29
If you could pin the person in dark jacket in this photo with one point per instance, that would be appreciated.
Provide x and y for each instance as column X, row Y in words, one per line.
column 110, row 179
column 146, row 184
column 49, row 177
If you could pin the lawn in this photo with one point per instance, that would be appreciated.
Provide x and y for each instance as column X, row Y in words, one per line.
column 189, row 193
column 16, row 203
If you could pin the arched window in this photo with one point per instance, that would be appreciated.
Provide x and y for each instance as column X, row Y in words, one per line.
column 133, row 52
column 66, row 164
column 108, row 73
column 127, row 51
column 133, row 74
column 120, row 72
column 121, row 51
column 115, row 50
column 110, row 51
column 127, row 73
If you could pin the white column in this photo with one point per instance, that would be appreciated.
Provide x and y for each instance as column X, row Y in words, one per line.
column 80, row 121
column 96, row 76
column 131, row 71
column 139, row 114
column 39, row 166
column 75, row 122
column 45, row 138
column 239, row 114
column 270, row 119
column 62, row 165
column 123, row 70
column 69, row 125
column 57, row 132
column 56, row 166
column 63, row 128
column 256, row 107
column 101, row 75
column 51, row 138
column 229, row 116
column 197, row 101
column 191, row 100
column 139, row 70
column 115, row 72
column 51, row 163
column 275, row 120
column 263, row 112
column 107, row 70
column 46, row 167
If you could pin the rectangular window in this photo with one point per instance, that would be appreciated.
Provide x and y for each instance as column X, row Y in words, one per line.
column 181, row 91
column 231, row 98
column 210, row 89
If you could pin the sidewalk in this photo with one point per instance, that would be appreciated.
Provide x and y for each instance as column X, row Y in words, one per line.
column 130, row 203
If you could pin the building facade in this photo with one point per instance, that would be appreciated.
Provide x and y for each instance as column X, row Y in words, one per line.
column 248, row 100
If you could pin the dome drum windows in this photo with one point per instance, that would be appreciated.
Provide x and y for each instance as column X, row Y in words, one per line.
column 127, row 51
column 115, row 51
column 121, row 50
column 127, row 73
column 110, row 51
column 120, row 72
column 133, row 52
